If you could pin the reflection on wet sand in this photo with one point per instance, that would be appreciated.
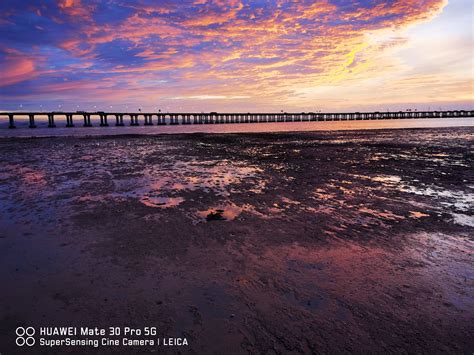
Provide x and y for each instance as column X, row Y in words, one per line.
column 223, row 212
column 417, row 214
column 311, row 242
column 152, row 201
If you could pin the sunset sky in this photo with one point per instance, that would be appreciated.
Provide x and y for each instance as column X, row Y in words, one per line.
column 236, row 55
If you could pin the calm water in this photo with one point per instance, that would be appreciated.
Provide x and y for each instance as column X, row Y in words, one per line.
column 23, row 130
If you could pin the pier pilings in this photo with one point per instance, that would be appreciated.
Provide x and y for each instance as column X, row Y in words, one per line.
column 119, row 120
column 103, row 120
column 11, row 121
column 148, row 120
column 69, row 121
column 51, row 123
column 134, row 120
column 87, row 120
column 31, row 119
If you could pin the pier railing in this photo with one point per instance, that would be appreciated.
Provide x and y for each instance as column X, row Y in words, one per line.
column 83, row 118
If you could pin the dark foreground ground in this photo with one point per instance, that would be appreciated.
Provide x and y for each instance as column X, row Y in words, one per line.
column 260, row 243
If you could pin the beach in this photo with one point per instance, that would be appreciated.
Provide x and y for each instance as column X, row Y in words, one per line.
column 291, row 242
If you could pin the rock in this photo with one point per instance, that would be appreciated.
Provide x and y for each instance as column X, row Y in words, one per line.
column 215, row 216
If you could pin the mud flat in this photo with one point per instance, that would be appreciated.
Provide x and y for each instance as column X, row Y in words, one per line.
column 322, row 242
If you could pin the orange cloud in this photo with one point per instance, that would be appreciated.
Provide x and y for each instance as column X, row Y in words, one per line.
column 75, row 9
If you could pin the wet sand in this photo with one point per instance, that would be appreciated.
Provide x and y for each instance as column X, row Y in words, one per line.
column 315, row 242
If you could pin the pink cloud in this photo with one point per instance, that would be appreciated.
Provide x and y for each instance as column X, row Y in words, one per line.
column 16, row 68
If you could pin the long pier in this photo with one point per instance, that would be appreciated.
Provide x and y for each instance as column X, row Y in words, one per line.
column 83, row 118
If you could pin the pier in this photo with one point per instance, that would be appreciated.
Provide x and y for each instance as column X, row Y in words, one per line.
column 84, row 119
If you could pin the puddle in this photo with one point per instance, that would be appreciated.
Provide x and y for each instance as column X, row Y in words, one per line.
column 416, row 214
column 321, row 194
column 289, row 201
column 454, row 202
column 217, row 176
column 459, row 199
column 463, row 219
column 387, row 179
column 226, row 212
column 161, row 202
column 381, row 214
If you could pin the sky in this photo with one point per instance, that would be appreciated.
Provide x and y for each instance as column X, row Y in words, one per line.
column 236, row 55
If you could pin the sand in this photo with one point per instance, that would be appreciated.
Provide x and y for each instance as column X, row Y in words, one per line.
column 316, row 242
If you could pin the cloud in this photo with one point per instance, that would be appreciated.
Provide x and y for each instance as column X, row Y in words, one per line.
column 15, row 67
column 270, row 50
column 75, row 10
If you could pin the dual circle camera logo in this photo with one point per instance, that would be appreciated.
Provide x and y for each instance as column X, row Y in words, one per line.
column 25, row 336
